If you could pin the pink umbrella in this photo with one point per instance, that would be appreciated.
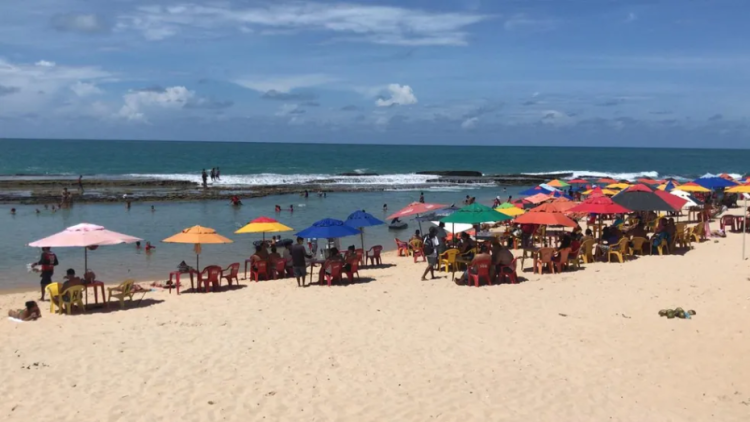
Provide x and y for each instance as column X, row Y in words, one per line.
column 85, row 236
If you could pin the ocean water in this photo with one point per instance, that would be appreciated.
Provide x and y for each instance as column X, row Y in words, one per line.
column 264, row 164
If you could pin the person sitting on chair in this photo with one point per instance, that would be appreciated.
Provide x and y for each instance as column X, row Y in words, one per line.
column 326, row 268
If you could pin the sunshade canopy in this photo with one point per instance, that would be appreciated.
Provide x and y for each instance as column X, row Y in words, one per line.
column 359, row 219
column 599, row 205
column 715, row 182
column 618, row 186
column 437, row 215
column 510, row 210
column 415, row 208
column 328, row 228
column 264, row 225
column 536, row 190
column 606, row 180
column 557, row 183
column 676, row 202
column 641, row 198
column 475, row 214
column 542, row 217
column 578, row 182
column 83, row 235
column 597, row 191
column 692, row 187
column 667, row 187
column 198, row 235
column 535, row 199
column 745, row 188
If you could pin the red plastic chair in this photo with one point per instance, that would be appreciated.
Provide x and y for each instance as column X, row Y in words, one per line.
column 234, row 270
column 509, row 272
column 353, row 269
column 360, row 256
column 481, row 269
column 212, row 275
column 279, row 269
column 248, row 261
column 727, row 220
column 373, row 255
column 417, row 250
column 336, row 268
column 403, row 248
column 562, row 260
column 261, row 269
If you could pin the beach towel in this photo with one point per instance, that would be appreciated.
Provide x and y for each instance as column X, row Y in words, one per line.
column 16, row 319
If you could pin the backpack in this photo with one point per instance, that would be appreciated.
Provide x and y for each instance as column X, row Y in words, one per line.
column 427, row 246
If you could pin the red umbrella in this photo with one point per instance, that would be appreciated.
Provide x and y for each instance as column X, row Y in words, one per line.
column 599, row 205
column 578, row 182
column 545, row 218
column 416, row 208
column 606, row 180
column 674, row 201
column 648, row 181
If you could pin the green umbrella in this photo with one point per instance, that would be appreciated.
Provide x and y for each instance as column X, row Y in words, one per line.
column 505, row 206
column 475, row 214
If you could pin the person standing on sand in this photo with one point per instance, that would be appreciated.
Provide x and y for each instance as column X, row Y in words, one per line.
column 299, row 265
column 429, row 246
column 47, row 263
column 204, row 176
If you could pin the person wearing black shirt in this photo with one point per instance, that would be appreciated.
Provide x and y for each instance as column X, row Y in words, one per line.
column 299, row 265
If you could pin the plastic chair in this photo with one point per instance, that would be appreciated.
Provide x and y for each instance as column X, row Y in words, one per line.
column 361, row 256
column 562, row 260
column 211, row 274
column 403, row 248
column 448, row 259
column 417, row 250
column 353, row 270
column 261, row 269
column 234, row 270
column 544, row 259
column 574, row 258
column 587, row 251
column 620, row 250
column 663, row 247
column 248, row 261
column 74, row 298
column 53, row 291
column 639, row 245
column 509, row 272
column 727, row 221
column 373, row 255
column 335, row 267
column 124, row 290
column 481, row 270
column 278, row 269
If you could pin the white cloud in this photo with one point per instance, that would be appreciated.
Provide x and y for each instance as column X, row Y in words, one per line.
column 138, row 102
column 556, row 118
column 376, row 24
column 45, row 63
column 84, row 89
column 470, row 123
column 283, row 84
column 522, row 23
column 399, row 95
column 632, row 17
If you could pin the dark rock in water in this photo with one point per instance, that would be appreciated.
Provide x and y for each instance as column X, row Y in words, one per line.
column 452, row 173
column 357, row 174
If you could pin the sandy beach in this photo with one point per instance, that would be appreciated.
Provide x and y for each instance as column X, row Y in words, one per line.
column 583, row 345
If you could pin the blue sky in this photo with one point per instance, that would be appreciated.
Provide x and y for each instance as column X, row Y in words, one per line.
column 521, row 72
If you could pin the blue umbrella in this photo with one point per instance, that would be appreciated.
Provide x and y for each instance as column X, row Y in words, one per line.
column 714, row 182
column 669, row 187
column 360, row 220
column 534, row 191
column 328, row 228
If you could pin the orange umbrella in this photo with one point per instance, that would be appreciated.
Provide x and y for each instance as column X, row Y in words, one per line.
column 545, row 218
column 198, row 235
column 535, row 199
column 606, row 180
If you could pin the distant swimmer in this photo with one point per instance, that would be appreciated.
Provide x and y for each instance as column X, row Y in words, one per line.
column 291, row 208
column 236, row 201
column 277, row 208
column 153, row 209
column 12, row 211
column 149, row 247
column 421, row 197
column 37, row 211
column 218, row 174
column 385, row 207
column 138, row 244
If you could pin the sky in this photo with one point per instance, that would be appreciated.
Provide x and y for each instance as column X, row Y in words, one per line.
column 641, row 73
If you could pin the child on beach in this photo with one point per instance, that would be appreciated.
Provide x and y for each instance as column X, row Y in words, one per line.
column 30, row 313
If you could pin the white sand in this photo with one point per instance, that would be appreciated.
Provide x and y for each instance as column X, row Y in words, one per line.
column 399, row 349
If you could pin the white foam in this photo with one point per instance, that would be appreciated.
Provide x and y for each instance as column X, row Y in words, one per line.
column 588, row 174
column 274, row 179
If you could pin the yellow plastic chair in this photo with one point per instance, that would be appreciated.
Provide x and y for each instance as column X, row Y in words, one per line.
column 587, row 251
column 448, row 259
column 639, row 246
column 74, row 298
column 124, row 290
column 620, row 250
column 53, row 292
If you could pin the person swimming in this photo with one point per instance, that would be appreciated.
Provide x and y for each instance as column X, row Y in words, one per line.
column 291, row 208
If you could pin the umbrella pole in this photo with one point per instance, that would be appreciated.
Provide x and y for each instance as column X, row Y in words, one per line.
column 744, row 232
column 362, row 237
column 86, row 260
column 197, row 262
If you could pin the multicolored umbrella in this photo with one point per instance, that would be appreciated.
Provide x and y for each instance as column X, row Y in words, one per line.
column 597, row 191
column 557, row 183
column 510, row 209
column 692, row 187
column 642, row 198
column 476, row 214
column 618, row 186
column 264, row 225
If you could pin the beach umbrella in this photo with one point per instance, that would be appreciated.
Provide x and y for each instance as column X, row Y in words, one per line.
column 437, row 215
column 328, row 228
column 476, row 214
column 597, row 191
column 647, row 181
column 606, row 180
column 416, row 208
column 642, row 198
column 360, row 220
column 692, row 187
column 598, row 205
column 86, row 236
column 536, row 190
column 691, row 201
column 545, row 217
column 714, row 182
column 667, row 187
column 557, row 183
column 198, row 235
column 618, row 186
column 578, row 182
column 509, row 209
column 726, row 176
column 264, row 225
column 744, row 188
column 538, row 198
column 677, row 202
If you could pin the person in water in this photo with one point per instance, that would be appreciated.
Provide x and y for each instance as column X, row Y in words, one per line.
column 277, row 208
column 12, row 211
column 138, row 244
column 149, row 247
column 30, row 313
column 152, row 208
column 291, row 208
column 385, row 207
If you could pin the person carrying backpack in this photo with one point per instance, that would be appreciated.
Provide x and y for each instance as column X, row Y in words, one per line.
column 430, row 248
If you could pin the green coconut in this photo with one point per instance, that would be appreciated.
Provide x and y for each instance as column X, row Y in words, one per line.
column 680, row 314
column 691, row 312
column 670, row 314
column 678, row 310
column 663, row 312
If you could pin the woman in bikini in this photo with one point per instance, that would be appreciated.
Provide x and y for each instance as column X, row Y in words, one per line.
column 30, row 313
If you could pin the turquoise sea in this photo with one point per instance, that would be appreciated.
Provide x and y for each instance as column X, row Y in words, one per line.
column 263, row 164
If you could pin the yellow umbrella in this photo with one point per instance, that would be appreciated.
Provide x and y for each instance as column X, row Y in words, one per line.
column 510, row 211
column 608, row 192
column 618, row 186
column 264, row 225
column 198, row 235
column 746, row 190
column 692, row 187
